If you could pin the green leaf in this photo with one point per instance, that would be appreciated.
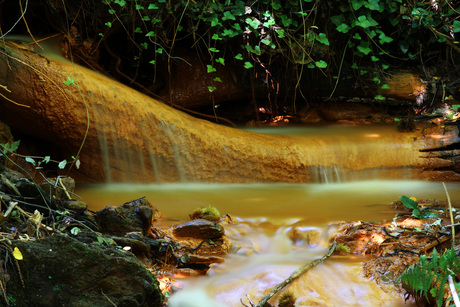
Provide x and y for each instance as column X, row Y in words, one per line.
column 385, row 87
column 144, row 45
column 217, row 79
column 322, row 39
column 254, row 23
column 145, row 18
column 321, row 64
column 62, row 164
column 357, row 36
column 276, row 5
column 280, row 33
column 239, row 56
column 108, row 24
column 354, row 65
column 384, row 39
column 75, row 231
column 211, row 88
column 385, row 66
column 366, row 21
column 409, row 203
column 212, row 49
column 374, row 58
column 15, row 145
column 46, row 159
column 137, row 30
column 221, row 61
column 139, row 7
column 151, row 33
column 152, row 62
column 456, row 26
column 152, row 6
column 30, row 160
column 364, row 47
column 454, row 106
column 229, row 16
column 216, row 36
column 210, row 68
column 265, row 41
column 69, row 81
column 248, row 65
column 344, row 28
column 158, row 50
column 215, row 22
column 379, row 97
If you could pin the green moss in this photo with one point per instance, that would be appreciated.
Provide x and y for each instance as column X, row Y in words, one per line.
column 208, row 213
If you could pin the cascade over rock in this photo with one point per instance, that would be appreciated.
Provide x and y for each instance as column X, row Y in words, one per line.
column 128, row 136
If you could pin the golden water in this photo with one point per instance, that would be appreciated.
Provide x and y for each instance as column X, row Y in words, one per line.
column 266, row 213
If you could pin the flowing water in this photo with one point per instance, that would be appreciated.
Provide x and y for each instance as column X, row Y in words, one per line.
column 269, row 214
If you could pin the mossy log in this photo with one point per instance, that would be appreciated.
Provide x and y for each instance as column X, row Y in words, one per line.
column 127, row 136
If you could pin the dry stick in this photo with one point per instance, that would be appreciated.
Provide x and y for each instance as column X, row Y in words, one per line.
column 295, row 275
column 451, row 214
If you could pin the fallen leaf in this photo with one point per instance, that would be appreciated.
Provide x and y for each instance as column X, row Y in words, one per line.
column 17, row 254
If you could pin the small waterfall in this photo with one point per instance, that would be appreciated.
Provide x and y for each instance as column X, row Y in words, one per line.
column 327, row 174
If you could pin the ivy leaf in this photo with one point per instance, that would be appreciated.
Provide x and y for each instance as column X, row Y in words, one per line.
column 344, row 28
column 137, row 30
column 151, row 33
column 456, row 26
column 217, row 79
column 229, row 16
column 210, row 68
column 322, row 39
column 216, row 36
column 239, row 56
column 384, row 39
column 254, row 23
column 321, row 64
column 280, row 33
column 379, row 97
column 385, row 87
column 212, row 49
column 152, row 6
column 266, row 41
column 211, row 88
column 221, row 61
column 248, row 65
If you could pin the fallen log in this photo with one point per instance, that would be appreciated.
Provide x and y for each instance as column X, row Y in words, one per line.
column 120, row 134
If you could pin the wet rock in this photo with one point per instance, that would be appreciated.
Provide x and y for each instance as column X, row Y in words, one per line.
column 60, row 188
column 62, row 271
column 134, row 216
column 200, row 229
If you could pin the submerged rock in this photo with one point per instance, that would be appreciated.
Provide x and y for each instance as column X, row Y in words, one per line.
column 61, row 271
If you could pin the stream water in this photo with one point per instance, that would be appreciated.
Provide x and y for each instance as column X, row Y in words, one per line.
column 268, row 214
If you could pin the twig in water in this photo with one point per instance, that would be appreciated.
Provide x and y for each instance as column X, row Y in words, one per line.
column 296, row 274
column 451, row 214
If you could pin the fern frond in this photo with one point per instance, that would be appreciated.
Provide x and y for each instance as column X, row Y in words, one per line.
column 430, row 276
